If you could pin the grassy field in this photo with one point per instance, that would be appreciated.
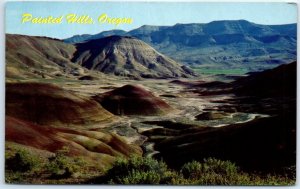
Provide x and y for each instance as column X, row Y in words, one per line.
column 214, row 71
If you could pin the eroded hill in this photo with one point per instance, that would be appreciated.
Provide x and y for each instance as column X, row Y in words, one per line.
column 127, row 56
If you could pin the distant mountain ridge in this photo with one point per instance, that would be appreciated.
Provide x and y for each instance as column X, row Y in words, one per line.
column 218, row 43
column 85, row 37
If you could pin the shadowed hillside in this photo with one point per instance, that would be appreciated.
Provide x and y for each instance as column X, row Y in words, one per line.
column 264, row 144
column 280, row 81
column 132, row 100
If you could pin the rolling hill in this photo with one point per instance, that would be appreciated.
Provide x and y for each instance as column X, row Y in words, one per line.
column 39, row 57
column 100, row 147
column 127, row 56
column 48, row 104
column 133, row 100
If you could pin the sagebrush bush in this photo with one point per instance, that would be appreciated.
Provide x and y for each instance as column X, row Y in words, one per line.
column 22, row 161
column 138, row 177
column 122, row 166
column 219, row 167
column 139, row 170
column 191, row 169
column 213, row 172
column 195, row 169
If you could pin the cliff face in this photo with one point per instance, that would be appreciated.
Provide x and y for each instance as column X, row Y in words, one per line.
column 127, row 56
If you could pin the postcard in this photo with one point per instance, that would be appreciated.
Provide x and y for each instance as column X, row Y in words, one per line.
column 150, row 93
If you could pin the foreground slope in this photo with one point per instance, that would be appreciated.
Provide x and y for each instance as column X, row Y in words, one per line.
column 97, row 146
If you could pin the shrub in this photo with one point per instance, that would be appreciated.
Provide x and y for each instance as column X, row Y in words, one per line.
column 122, row 167
column 21, row 161
column 139, row 170
column 138, row 177
column 213, row 172
column 191, row 169
column 213, row 178
column 195, row 169
column 62, row 166
column 274, row 180
column 13, row 177
column 220, row 167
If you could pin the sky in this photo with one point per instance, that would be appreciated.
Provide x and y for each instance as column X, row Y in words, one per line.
column 142, row 13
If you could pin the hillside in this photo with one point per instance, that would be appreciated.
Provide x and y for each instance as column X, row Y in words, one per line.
column 127, row 56
column 277, row 82
column 100, row 147
column 47, row 104
column 265, row 143
column 132, row 100
column 39, row 57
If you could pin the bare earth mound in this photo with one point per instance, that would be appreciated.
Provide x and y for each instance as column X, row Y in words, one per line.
column 48, row 104
column 132, row 100
column 127, row 56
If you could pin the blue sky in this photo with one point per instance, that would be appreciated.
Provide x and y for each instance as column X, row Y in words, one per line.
column 142, row 13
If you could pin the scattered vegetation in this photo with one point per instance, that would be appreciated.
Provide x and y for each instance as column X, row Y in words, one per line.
column 139, row 170
column 21, row 161
column 214, row 172
column 25, row 166
column 61, row 166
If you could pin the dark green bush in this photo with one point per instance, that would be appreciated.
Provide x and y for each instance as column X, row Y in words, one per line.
column 191, row 169
column 225, row 168
column 219, row 179
column 22, row 161
column 139, row 170
column 138, row 177
column 213, row 172
column 195, row 169
column 122, row 167
column 13, row 177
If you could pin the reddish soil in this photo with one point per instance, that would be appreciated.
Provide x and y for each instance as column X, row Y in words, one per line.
column 132, row 100
column 48, row 104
